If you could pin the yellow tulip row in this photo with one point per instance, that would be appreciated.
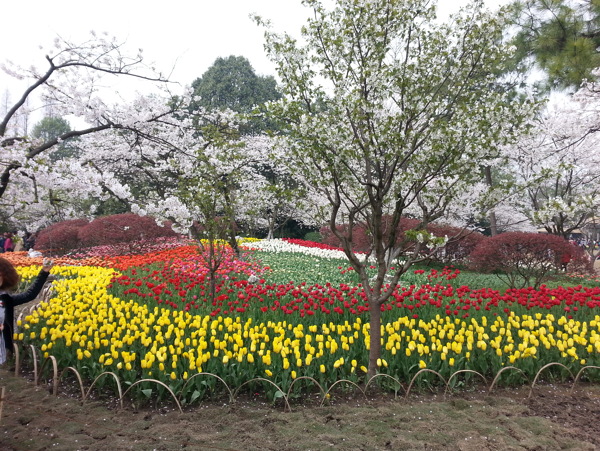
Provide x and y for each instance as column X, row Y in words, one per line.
column 83, row 322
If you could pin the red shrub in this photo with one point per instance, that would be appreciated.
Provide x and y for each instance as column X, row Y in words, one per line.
column 521, row 259
column 361, row 238
column 580, row 261
column 60, row 238
column 460, row 243
column 136, row 231
column 328, row 238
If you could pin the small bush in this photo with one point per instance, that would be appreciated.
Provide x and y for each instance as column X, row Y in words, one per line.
column 580, row 262
column 315, row 237
column 521, row 259
column 136, row 231
column 60, row 238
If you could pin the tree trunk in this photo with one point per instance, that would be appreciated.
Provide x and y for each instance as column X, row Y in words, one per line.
column 233, row 240
column 212, row 270
column 375, row 337
column 492, row 216
column 493, row 224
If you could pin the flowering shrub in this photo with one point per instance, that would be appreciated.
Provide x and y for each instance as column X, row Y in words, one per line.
column 532, row 258
column 60, row 238
column 119, row 249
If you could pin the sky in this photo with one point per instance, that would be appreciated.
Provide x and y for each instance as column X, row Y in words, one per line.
column 181, row 37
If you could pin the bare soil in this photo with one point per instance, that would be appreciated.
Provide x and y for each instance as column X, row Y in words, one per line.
column 553, row 418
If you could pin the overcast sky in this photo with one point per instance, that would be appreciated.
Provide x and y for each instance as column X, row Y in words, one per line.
column 181, row 36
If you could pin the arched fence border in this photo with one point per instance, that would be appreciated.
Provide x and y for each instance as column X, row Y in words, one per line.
column 38, row 368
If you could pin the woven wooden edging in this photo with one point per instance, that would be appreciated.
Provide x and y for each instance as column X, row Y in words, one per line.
column 38, row 369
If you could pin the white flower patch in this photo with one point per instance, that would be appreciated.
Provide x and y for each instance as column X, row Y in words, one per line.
column 278, row 245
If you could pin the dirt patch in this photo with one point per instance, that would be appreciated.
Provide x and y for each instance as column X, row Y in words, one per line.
column 553, row 418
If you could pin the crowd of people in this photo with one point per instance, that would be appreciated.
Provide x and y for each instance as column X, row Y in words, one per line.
column 14, row 242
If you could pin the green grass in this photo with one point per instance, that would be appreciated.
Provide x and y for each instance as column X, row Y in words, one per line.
column 296, row 267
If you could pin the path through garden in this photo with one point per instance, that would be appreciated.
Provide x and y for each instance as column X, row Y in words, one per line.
column 553, row 418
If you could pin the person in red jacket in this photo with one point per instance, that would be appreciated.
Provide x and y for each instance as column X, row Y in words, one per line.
column 9, row 279
column 565, row 259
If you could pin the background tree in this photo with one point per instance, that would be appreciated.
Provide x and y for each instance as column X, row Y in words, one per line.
column 409, row 119
column 556, row 168
column 52, row 127
column 560, row 37
column 231, row 83
column 192, row 167
column 23, row 180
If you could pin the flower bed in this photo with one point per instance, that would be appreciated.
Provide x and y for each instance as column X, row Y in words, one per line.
column 154, row 319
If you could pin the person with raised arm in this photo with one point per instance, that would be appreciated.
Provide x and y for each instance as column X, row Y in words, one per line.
column 9, row 280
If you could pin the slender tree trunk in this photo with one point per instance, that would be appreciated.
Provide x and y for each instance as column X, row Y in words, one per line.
column 233, row 240
column 375, row 337
column 271, row 232
column 492, row 216
column 212, row 270
column 493, row 224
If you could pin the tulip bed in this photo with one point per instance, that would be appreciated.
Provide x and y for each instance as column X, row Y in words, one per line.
column 293, row 313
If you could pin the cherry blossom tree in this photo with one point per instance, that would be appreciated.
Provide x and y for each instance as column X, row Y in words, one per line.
column 392, row 113
column 193, row 169
column 556, row 168
column 70, row 83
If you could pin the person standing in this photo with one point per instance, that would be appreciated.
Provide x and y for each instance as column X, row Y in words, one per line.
column 9, row 279
column 17, row 242
column 9, row 245
column 28, row 241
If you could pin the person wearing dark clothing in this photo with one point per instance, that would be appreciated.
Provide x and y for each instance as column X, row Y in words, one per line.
column 28, row 241
column 9, row 279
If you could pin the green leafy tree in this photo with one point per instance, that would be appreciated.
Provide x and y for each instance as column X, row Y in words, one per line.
column 561, row 37
column 231, row 83
column 50, row 128
column 409, row 119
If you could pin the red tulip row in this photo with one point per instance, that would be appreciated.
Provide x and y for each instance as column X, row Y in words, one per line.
column 184, row 284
